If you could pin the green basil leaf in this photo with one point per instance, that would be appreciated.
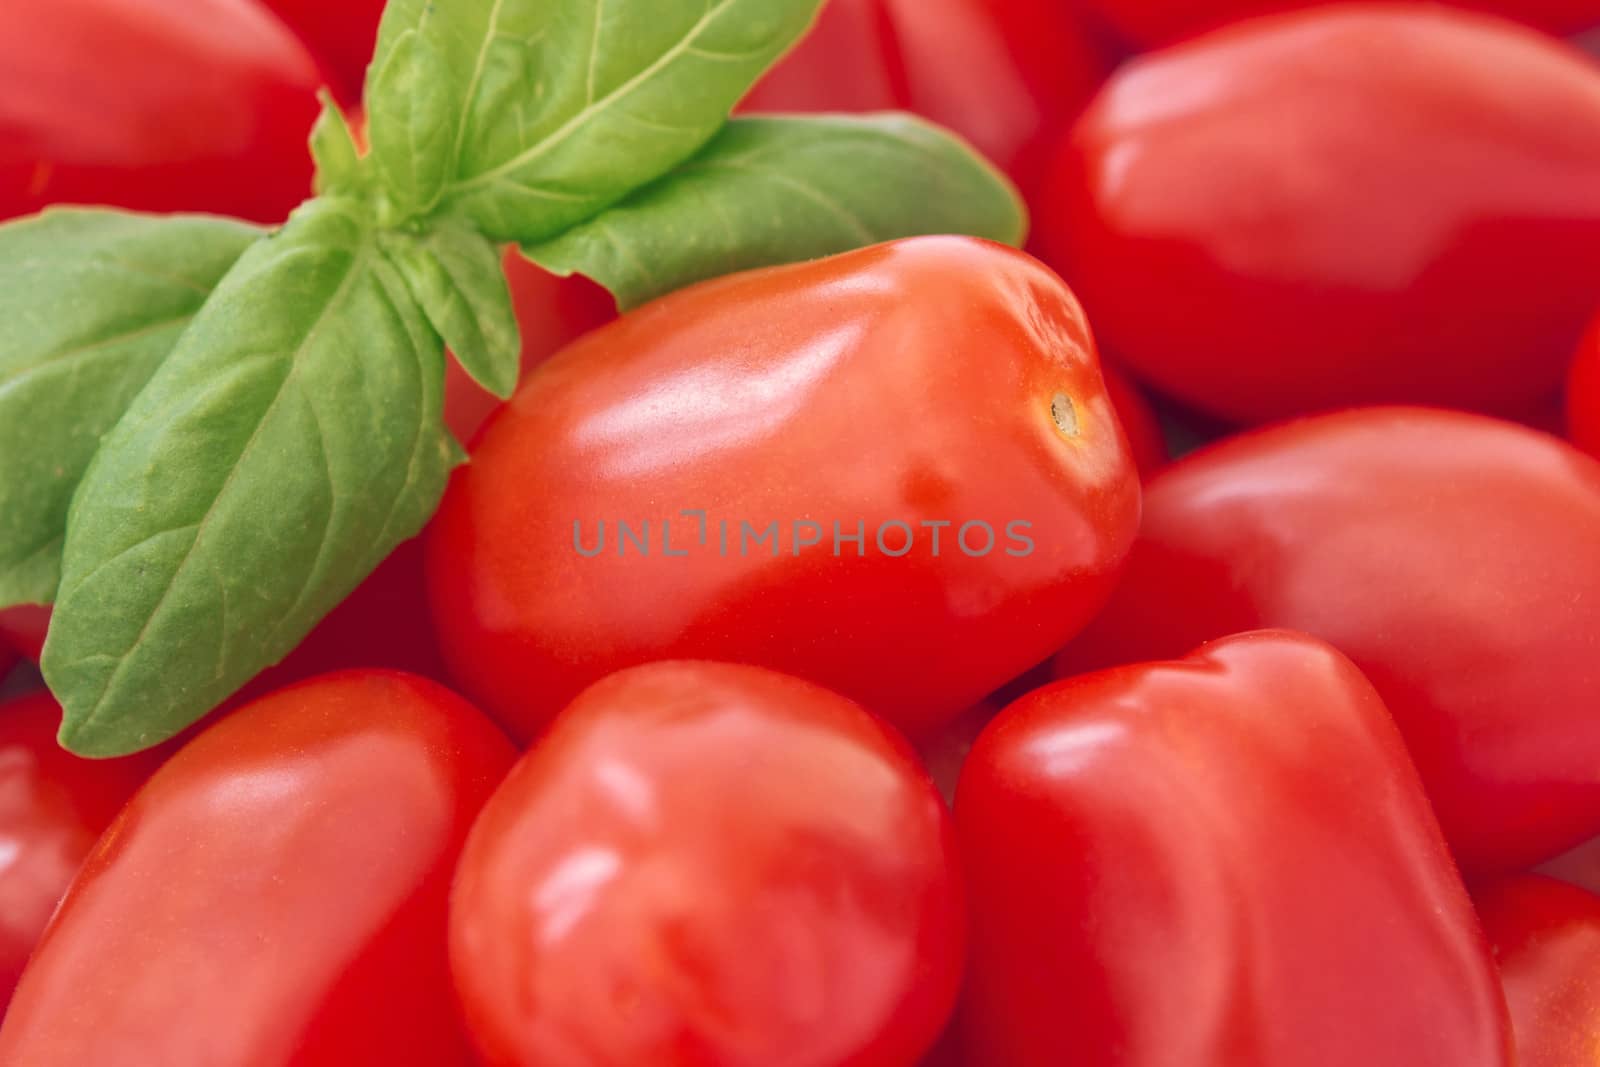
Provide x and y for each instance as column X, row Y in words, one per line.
column 290, row 440
column 562, row 108
column 409, row 119
column 457, row 278
column 91, row 302
column 779, row 190
column 340, row 169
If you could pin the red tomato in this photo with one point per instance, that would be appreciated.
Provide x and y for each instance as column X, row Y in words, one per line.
column 23, row 628
column 1153, row 22
column 704, row 863
column 1453, row 557
column 340, row 33
column 275, row 895
column 1337, row 207
column 1583, row 394
column 1223, row 861
column 1546, row 938
column 154, row 105
column 945, row 751
column 53, row 806
column 552, row 313
column 1139, row 422
column 934, row 381
column 1002, row 73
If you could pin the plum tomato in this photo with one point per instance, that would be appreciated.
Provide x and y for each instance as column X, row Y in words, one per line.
column 154, row 105
column 1452, row 556
column 53, row 807
column 894, row 472
column 1220, row 861
column 707, row 863
column 1546, row 938
column 1352, row 204
column 276, row 894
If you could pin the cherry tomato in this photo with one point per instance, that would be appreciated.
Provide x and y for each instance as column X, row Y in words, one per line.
column 1139, row 422
column 342, row 34
column 1452, row 556
column 1339, row 206
column 53, row 806
column 275, row 895
column 552, row 312
column 155, row 105
column 1546, row 938
column 938, row 387
column 705, row 863
column 1152, row 22
column 1583, row 394
column 1222, row 861
column 1002, row 73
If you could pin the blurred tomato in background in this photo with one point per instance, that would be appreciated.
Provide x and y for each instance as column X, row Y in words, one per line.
column 154, row 105
column 1154, row 22
column 1356, row 204
column 1002, row 73
column 53, row 806
column 340, row 34
column 1583, row 394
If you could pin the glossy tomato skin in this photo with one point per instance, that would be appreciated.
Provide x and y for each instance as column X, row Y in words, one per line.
column 1339, row 206
column 938, row 380
column 1451, row 556
column 53, row 806
column 1004, row 74
column 154, row 105
column 752, row 867
column 1156, row 22
column 1583, row 394
column 276, row 894
column 1223, row 861
column 342, row 34
column 552, row 312
column 1546, row 938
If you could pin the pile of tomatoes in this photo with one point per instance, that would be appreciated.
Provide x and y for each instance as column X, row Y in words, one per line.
column 830, row 665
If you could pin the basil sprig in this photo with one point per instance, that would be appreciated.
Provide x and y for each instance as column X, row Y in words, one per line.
column 210, row 434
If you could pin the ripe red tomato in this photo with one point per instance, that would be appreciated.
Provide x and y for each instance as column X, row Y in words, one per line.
column 1452, row 556
column 1228, row 859
column 53, row 806
column 276, row 894
column 934, row 388
column 706, row 863
column 154, row 105
column 1139, row 422
column 1153, row 22
column 1546, row 937
column 552, row 313
column 1583, row 394
column 340, row 33
column 1339, row 206
column 1002, row 73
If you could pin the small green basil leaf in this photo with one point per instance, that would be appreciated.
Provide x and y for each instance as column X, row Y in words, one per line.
column 91, row 302
column 290, row 440
column 457, row 278
column 333, row 147
column 562, row 108
column 779, row 190
column 410, row 123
